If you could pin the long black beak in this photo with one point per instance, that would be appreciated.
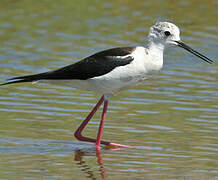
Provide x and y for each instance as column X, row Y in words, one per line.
column 184, row 46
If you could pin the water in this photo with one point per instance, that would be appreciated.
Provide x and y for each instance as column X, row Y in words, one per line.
column 175, row 114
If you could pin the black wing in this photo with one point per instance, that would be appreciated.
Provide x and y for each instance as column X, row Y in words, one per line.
column 96, row 65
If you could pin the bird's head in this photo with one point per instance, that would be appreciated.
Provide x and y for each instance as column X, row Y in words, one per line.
column 166, row 34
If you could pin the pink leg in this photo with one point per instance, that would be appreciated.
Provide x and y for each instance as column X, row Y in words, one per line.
column 101, row 126
column 78, row 133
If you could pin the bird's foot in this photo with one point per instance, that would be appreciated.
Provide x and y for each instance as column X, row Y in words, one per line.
column 116, row 146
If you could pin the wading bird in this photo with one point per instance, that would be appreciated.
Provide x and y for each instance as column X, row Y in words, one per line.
column 113, row 70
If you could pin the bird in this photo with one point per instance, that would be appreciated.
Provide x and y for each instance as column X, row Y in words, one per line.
column 111, row 71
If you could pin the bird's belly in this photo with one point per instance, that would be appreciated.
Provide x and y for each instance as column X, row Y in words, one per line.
column 103, row 85
column 114, row 84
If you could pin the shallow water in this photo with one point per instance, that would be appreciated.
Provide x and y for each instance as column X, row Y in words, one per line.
column 174, row 114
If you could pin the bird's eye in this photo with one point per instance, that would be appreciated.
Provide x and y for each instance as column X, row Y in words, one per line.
column 167, row 33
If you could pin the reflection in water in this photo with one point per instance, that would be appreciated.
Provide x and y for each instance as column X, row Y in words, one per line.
column 79, row 154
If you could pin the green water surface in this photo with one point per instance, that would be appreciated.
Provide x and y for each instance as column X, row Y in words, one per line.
column 174, row 114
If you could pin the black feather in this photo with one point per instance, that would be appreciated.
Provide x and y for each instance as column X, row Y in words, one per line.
column 96, row 65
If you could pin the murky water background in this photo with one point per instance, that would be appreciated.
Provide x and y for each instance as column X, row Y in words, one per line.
column 175, row 113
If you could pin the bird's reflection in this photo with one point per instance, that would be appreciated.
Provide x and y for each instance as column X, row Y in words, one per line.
column 80, row 154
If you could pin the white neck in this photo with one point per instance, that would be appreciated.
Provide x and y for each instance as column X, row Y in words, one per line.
column 155, row 49
column 155, row 56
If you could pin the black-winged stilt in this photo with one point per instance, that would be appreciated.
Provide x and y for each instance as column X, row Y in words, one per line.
column 113, row 70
